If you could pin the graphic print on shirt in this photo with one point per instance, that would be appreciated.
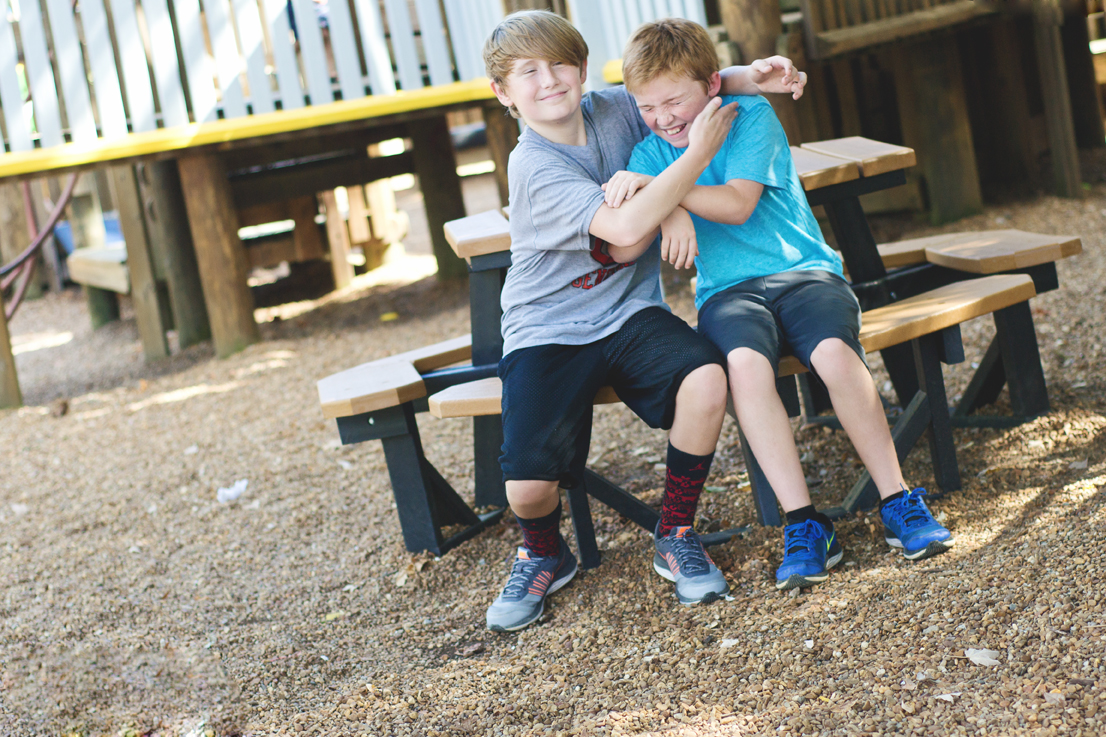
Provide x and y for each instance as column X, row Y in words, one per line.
column 600, row 275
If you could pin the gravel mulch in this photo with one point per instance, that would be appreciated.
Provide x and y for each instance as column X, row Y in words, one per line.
column 132, row 602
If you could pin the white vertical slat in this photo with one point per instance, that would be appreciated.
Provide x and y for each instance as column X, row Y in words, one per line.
column 74, row 86
column 381, row 77
column 288, row 72
column 620, row 16
column 105, row 77
column 594, row 21
column 633, row 18
column 403, row 43
column 311, row 51
column 694, row 11
column 344, row 46
column 462, row 31
column 136, row 75
column 613, row 48
column 19, row 133
column 40, row 74
column 197, row 64
column 433, row 41
column 170, row 94
column 253, row 49
column 228, row 63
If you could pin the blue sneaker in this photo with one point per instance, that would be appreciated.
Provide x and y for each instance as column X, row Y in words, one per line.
column 680, row 558
column 532, row 579
column 809, row 551
column 908, row 524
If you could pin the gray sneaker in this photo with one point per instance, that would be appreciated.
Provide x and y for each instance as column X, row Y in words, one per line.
column 531, row 580
column 680, row 557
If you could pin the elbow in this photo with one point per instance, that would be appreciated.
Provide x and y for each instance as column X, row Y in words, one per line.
column 626, row 238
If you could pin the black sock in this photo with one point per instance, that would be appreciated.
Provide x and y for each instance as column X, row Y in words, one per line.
column 893, row 497
column 802, row 514
column 683, row 483
column 542, row 535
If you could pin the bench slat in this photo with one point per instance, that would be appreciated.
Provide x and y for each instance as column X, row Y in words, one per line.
column 136, row 75
column 477, row 235
column 873, row 157
column 74, row 87
column 248, row 19
column 883, row 327
column 40, row 74
column 903, row 253
column 166, row 65
column 993, row 251
column 369, row 387
column 376, row 48
column 103, row 268
column 817, row 170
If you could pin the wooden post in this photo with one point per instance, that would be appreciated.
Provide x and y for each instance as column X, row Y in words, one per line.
column 174, row 256
column 436, row 167
column 54, row 273
column 933, row 112
column 10, row 396
column 1047, row 18
column 87, row 224
column 15, row 235
column 1086, row 101
column 754, row 25
column 220, row 255
column 502, row 134
column 148, row 312
column 339, row 241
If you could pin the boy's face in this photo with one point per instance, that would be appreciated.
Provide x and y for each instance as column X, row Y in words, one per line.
column 670, row 104
column 543, row 91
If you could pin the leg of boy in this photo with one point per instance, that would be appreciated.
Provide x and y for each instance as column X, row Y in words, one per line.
column 907, row 521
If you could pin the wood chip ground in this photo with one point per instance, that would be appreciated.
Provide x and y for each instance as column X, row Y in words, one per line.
column 133, row 603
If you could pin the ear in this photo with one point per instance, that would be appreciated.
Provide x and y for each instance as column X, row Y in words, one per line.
column 715, row 84
column 584, row 72
column 501, row 94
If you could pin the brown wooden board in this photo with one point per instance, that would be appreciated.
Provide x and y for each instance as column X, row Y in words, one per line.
column 338, row 236
column 102, row 268
column 436, row 167
column 851, row 38
column 10, row 396
column 477, row 235
column 990, row 252
column 903, row 253
column 484, row 397
column 873, row 157
column 502, row 133
column 818, row 170
column 369, row 387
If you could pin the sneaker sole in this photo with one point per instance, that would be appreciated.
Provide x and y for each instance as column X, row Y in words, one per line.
column 710, row 596
column 934, row 548
column 797, row 581
column 557, row 585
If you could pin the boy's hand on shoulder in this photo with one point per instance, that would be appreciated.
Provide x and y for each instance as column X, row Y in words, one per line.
column 622, row 186
column 777, row 74
column 678, row 244
column 710, row 128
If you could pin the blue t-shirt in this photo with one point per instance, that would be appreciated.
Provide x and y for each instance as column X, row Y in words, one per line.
column 781, row 234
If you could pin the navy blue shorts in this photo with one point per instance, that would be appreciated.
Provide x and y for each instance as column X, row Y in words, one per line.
column 548, row 391
column 789, row 312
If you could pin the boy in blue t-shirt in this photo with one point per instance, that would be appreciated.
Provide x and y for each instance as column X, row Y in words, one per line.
column 767, row 281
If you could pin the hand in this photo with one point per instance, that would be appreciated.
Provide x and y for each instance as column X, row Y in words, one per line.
column 678, row 244
column 777, row 74
column 622, row 187
column 710, row 128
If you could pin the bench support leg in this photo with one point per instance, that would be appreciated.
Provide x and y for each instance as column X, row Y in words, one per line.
column 927, row 356
column 580, row 508
column 1021, row 360
column 986, row 383
column 764, row 497
column 487, row 433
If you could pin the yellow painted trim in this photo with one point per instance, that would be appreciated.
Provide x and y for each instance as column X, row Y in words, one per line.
column 612, row 71
column 252, row 126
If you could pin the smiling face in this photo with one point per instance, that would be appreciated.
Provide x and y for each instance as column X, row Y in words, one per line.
column 545, row 93
column 670, row 104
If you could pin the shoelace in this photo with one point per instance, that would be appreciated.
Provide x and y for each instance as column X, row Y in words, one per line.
column 913, row 513
column 689, row 553
column 802, row 536
column 521, row 575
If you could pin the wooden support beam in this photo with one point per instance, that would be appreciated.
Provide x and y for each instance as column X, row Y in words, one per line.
column 174, row 256
column 933, row 112
column 1047, row 18
column 150, row 314
column 1086, row 101
column 339, row 241
column 222, row 260
column 436, row 166
column 15, row 235
column 10, row 396
column 502, row 134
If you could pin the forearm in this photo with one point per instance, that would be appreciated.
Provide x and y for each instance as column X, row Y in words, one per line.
column 719, row 204
column 737, row 80
column 625, row 254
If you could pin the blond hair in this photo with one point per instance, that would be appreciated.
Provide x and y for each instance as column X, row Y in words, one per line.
column 531, row 34
column 671, row 46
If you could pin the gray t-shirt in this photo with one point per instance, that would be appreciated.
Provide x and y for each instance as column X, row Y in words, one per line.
column 562, row 287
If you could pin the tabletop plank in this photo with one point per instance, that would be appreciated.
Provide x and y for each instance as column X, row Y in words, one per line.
column 477, row 235
column 873, row 157
column 816, row 170
column 992, row 251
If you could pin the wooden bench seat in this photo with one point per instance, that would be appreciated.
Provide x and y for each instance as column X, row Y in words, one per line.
column 883, row 327
column 101, row 268
column 982, row 252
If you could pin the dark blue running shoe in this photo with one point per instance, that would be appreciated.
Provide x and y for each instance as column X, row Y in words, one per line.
column 809, row 551
column 908, row 524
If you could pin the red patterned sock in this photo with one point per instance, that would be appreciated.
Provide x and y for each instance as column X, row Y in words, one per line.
column 542, row 535
column 683, row 484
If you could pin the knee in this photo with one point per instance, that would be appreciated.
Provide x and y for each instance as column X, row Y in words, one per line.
column 749, row 370
column 705, row 389
column 832, row 357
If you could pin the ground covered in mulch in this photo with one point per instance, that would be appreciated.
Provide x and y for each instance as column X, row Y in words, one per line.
column 132, row 602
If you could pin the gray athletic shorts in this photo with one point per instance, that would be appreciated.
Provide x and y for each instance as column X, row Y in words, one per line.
column 791, row 312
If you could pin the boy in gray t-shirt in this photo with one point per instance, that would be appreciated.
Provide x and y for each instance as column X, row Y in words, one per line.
column 582, row 305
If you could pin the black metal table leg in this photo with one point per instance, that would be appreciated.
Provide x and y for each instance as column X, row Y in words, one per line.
column 1021, row 360
column 928, row 351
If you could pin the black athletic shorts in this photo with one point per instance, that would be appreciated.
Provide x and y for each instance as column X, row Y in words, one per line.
column 789, row 312
column 548, row 391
